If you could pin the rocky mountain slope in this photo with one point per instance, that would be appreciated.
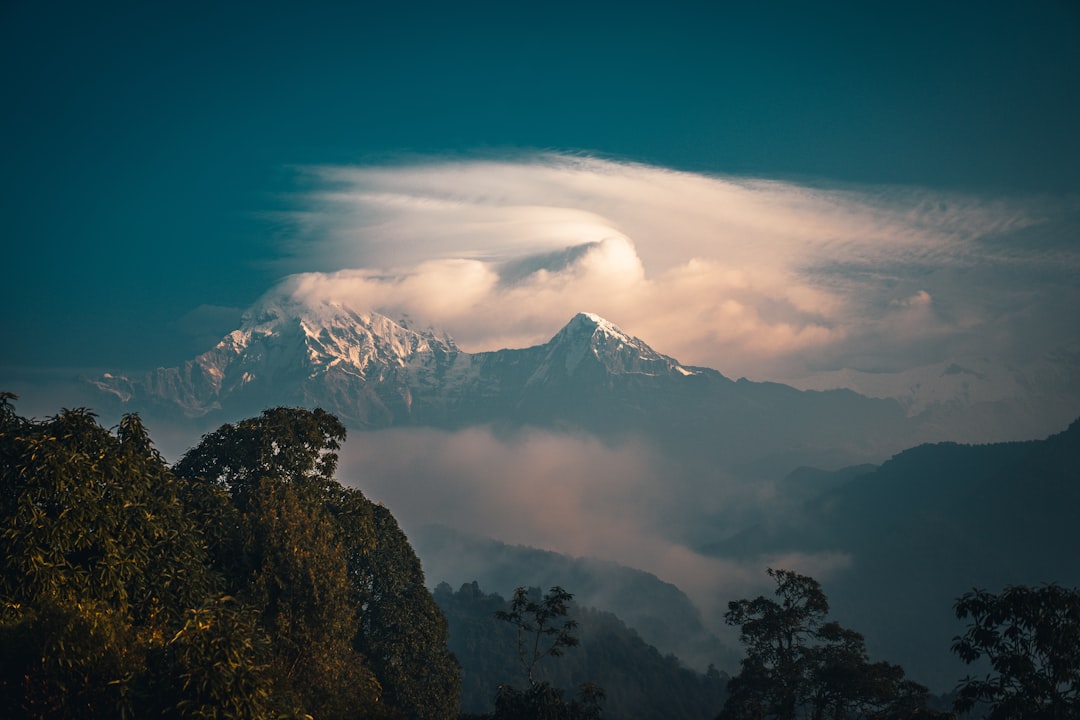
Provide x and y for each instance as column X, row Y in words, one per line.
column 374, row 372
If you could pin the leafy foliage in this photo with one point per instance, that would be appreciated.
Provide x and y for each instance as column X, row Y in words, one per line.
column 800, row 664
column 244, row 583
column 292, row 445
column 778, row 638
column 541, row 631
column 402, row 632
column 263, row 483
column 1031, row 638
column 99, row 565
column 220, row 663
column 338, row 587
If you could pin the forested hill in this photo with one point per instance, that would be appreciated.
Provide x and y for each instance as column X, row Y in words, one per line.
column 244, row 582
column 639, row 682
column 660, row 612
column 930, row 524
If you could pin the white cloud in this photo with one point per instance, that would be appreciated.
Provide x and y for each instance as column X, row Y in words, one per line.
column 572, row 494
column 761, row 279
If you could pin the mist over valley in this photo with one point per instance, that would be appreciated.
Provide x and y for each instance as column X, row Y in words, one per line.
column 597, row 463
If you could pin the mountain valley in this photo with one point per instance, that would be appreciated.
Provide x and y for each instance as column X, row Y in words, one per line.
column 734, row 475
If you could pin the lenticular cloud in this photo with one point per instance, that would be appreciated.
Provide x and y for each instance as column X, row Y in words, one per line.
column 761, row 279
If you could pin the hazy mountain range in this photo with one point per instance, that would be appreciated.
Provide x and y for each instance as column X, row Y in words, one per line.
column 660, row 612
column 375, row 372
column 928, row 525
column 749, row 473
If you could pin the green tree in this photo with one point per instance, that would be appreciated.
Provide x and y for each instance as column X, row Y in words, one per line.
column 800, row 664
column 218, row 663
column 94, row 516
column 292, row 445
column 543, row 630
column 340, row 590
column 241, row 584
column 1031, row 638
column 402, row 631
column 843, row 683
column 778, row 636
column 281, row 551
column 98, row 564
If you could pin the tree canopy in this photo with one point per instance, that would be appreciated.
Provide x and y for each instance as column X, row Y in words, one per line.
column 800, row 664
column 100, row 570
column 1031, row 638
column 543, row 629
column 639, row 682
column 245, row 582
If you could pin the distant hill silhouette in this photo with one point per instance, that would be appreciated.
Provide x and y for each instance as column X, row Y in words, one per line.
column 659, row 611
column 640, row 682
column 928, row 525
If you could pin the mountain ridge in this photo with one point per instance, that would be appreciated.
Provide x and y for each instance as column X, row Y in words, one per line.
column 658, row 610
column 927, row 525
column 279, row 339
column 375, row 372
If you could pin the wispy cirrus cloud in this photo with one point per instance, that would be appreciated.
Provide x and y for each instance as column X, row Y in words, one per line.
column 763, row 279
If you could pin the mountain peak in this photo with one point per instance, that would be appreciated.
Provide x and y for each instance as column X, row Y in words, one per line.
column 588, row 335
column 589, row 317
column 375, row 371
column 276, row 307
column 594, row 322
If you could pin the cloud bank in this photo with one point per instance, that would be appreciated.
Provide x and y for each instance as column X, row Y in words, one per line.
column 575, row 495
column 762, row 279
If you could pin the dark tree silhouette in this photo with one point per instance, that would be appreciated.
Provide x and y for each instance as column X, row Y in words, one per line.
column 543, row 630
column 1031, row 638
column 799, row 664
column 639, row 682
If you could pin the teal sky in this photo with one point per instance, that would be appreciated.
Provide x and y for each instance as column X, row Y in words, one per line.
column 148, row 148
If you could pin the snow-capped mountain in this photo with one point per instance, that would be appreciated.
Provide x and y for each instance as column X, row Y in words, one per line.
column 376, row 372
column 589, row 339
column 364, row 365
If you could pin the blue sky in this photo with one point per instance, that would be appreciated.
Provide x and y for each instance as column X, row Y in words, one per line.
column 159, row 158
